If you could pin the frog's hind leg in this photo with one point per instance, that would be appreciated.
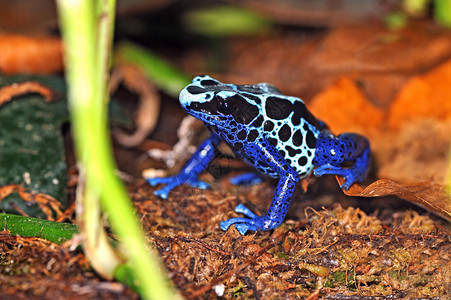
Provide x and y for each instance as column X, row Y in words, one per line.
column 333, row 153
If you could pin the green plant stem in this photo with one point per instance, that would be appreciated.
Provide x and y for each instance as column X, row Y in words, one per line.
column 161, row 73
column 79, row 27
column 87, row 69
column 33, row 227
column 442, row 12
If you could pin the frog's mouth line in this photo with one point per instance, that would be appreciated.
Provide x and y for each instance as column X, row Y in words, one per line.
column 202, row 113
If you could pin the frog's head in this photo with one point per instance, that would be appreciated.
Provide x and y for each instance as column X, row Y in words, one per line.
column 218, row 104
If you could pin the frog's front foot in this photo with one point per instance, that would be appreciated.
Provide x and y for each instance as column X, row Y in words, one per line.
column 350, row 175
column 174, row 181
column 332, row 153
column 254, row 222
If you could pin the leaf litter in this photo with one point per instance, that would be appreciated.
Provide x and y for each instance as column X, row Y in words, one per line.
column 321, row 250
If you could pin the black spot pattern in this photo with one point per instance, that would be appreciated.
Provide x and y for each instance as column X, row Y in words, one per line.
column 250, row 88
column 238, row 145
column 241, row 135
column 272, row 141
column 311, row 140
column 194, row 89
column 297, row 138
column 285, row 133
column 209, row 82
column 257, row 122
column 256, row 99
column 302, row 161
column 268, row 126
column 301, row 112
column 292, row 152
column 252, row 136
column 246, row 112
column 278, row 108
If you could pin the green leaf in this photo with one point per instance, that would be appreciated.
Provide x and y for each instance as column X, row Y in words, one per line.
column 442, row 12
column 32, row 227
column 156, row 69
column 31, row 144
column 226, row 20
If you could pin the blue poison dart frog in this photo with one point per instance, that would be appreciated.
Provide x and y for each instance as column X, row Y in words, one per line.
column 275, row 134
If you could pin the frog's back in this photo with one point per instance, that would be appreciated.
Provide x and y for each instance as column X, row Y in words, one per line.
column 291, row 129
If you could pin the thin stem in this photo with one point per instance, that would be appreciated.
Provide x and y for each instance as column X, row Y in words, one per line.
column 442, row 12
column 87, row 31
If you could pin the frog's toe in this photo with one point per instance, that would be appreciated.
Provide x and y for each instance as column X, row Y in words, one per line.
column 352, row 176
column 162, row 193
column 242, row 228
column 253, row 222
column 241, row 209
column 345, row 186
column 196, row 183
column 158, row 180
column 241, row 224
column 246, row 179
column 328, row 169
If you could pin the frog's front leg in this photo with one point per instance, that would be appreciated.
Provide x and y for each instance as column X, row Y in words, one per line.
column 280, row 202
column 332, row 152
column 190, row 171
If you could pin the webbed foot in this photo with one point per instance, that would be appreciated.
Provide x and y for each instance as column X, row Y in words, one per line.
column 351, row 175
column 332, row 153
column 253, row 223
column 174, row 181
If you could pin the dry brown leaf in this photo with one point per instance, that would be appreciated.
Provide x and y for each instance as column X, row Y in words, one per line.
column 46, row 203
column 10, row 91
column 428, row 195
column 149, row 104
column 30, row 55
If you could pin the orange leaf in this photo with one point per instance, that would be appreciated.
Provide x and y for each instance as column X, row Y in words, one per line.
column 30, row 55
column 344, row 108
column 424, row 96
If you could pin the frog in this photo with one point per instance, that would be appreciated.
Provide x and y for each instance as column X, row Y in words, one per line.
column 275, row 134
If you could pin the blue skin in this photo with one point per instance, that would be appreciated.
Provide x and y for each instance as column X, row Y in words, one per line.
column 272, row 132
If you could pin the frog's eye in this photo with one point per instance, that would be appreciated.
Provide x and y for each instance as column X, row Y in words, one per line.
column 226, row 106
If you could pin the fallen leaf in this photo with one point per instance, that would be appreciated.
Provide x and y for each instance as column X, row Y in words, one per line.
column 426, row 96
column 16, row 89
column 30, row 55
column 46, row 203
column 428, row 195
column 149, row 104
column 31, row 142
column 417, row 152
column 343, row 107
